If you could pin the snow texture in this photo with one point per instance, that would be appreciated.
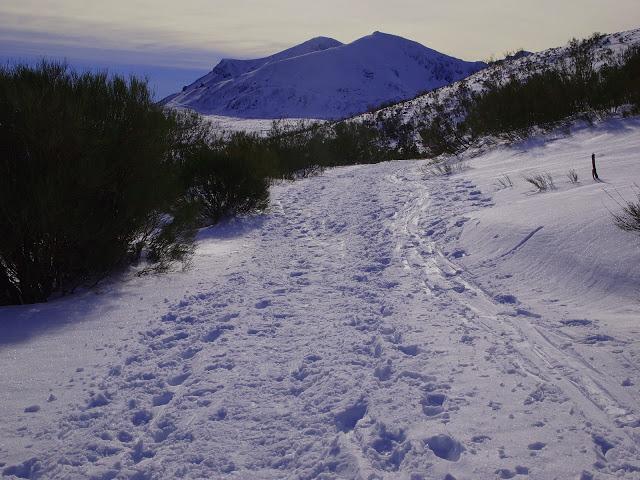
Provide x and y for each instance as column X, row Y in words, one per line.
column 323, row 79
column 377, row 322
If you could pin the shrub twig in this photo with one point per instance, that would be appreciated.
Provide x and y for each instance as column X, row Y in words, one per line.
column 542, row 181
column 504, row 181
column 572, row 175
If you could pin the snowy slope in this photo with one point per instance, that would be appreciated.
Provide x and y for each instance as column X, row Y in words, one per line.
column 376, row 323
column 333, row 82
column 421, row 109
column 229, row 68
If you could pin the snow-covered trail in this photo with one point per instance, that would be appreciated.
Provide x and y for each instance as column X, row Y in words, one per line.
column 341, row 336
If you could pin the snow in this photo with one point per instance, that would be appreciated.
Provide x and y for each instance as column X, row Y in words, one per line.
column 377, row 322
column 323, row 81
column 258, row 126
column 230, row 68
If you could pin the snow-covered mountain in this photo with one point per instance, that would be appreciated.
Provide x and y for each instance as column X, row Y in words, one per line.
column 323, row 79
column 229, row 68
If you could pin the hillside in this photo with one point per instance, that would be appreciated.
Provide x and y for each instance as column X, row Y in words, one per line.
column 323, row 79
column 411, row 115
column 377, row 322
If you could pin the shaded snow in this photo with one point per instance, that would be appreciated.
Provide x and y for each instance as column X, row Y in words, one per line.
column 376, row 323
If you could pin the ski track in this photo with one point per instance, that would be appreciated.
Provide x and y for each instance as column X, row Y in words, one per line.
column 348, row 343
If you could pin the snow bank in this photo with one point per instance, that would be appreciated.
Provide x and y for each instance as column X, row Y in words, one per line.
column 563, row 240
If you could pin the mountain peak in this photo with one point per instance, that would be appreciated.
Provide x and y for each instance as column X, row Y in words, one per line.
column 317, row 43
column 322, row 78
column 379, row 34
column 324, row 39
column 388, row 40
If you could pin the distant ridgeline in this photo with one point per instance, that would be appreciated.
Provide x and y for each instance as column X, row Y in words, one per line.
column 323, row 79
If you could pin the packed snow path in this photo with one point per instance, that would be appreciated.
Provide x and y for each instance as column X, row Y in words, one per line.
column 340, row 337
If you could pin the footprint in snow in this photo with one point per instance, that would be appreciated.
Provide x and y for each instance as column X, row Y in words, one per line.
column 576, row 323
column 162, row 399
column 506, row 299
column 602, row 443
column 445, row 447
column 97, row 400
column 480, row 438
column 215, row 333
column 26, row 469
column 505, row 473
column 410, row 350
column 347, row 419
column 262, row 304
column 139, row 453
column 536, row 446
column 598, row 338
column 219, row 415
column 390, row 447
column 189, row 353
column 433, row 404
column 467, row 339
column 174, row 338
column 178, row 379
column 383, row 372
column 141, row 417
column 228, row 317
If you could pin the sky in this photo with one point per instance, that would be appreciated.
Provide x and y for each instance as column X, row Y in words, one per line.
column 174, row 42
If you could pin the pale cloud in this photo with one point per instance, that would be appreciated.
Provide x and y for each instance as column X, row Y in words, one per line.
column 195, row 34
column 465, row 28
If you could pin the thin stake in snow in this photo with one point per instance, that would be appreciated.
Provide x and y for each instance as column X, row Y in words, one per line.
column 594, row 172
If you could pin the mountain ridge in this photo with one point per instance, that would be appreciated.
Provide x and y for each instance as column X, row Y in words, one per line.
column 323, row 79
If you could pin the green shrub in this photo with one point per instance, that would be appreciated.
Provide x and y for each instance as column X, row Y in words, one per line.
column 555, row 94
column 512, row 107
column 440, row 137
column 231, row 179
column 93, row 175
column 89, row 178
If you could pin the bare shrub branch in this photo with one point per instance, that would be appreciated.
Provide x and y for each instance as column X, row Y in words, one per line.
column 572, row 175
column 542, row 181
column 503, row 182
